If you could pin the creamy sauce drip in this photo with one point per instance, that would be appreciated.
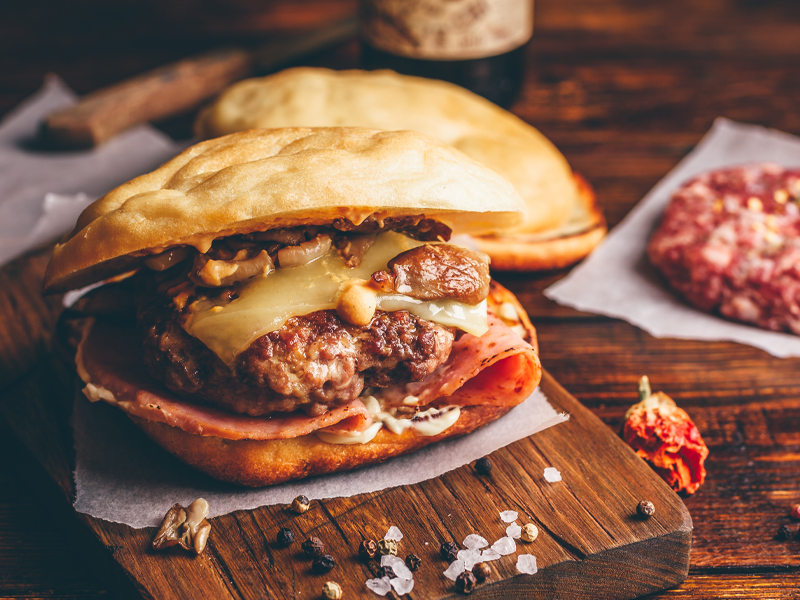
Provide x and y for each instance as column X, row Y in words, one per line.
column 427, row 423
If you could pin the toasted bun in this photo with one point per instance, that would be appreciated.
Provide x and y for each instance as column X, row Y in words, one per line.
column 383, row 99
column 262, row 179
column 552, row 249
column 258, row 463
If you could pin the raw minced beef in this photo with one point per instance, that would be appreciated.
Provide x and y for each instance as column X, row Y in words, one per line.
column 729, row 242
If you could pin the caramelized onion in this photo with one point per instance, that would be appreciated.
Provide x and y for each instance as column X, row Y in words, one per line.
column 295, row 256
column 165, row 260
column 222, row 273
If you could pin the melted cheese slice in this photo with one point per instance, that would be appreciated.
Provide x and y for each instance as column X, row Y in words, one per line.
column 266, row 303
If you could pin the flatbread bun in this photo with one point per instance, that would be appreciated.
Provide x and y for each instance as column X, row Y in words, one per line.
column 262, row 179
column 555, row 198
column 257, row 463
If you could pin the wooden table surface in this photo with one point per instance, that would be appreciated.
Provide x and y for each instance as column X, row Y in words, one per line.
column 624, row 88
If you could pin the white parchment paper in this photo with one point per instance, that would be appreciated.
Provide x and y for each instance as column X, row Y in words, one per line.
column 120, row 474
column 124, row 477
column 617, row 279
column 42, row 192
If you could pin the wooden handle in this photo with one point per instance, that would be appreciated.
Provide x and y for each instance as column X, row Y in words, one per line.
column 150, row 96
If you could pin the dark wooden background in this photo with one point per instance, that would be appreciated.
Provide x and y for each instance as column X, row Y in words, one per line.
column 624, row 88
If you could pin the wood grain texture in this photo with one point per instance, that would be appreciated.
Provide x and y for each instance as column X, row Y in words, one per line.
column 591, row 542
column 625, row 89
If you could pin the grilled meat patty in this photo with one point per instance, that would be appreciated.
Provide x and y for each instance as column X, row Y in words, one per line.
column 312, row 363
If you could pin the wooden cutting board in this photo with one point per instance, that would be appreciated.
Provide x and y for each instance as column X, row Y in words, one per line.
column 591, row 543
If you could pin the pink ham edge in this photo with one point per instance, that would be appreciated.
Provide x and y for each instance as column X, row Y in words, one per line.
column 498, row 368
column 109, row 356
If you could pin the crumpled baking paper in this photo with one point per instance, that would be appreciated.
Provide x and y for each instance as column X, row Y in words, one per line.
column 617, row 279
column 42, row 192
column 124, row 477
column 120, row 474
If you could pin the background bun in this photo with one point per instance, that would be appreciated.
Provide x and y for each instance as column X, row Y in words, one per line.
column 307, row 96
column 552, row 249
column 261, row 179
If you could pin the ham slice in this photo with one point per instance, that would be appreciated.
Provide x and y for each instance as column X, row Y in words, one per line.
column 109, row 362
column 498, row 368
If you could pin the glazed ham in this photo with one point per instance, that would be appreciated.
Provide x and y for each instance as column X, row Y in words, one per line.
column 499, row 368
column 111, row 366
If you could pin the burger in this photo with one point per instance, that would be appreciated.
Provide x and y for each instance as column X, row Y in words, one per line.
column 562, row 223
column 298, row 308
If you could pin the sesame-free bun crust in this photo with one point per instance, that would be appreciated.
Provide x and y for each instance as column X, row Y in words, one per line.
column 262, row 179
column 266, row 462
column 316, row 97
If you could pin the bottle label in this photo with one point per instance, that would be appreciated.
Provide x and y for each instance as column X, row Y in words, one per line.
column 446, row 29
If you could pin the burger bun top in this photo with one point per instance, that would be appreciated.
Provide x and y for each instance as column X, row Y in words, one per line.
column 268, row 178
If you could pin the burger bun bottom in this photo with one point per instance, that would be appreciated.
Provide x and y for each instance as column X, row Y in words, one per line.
column 257, row 463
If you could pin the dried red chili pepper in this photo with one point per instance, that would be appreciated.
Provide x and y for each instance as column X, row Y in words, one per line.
column 665, row 436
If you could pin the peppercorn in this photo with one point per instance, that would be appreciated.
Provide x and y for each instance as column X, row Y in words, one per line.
column 300, row 505
column 795, row 512
column 386, row 571
column 784, row 533
column 481, row 571
column 313, row 546
column 387, row 547
column 323, row 563
column 646, row 509
column 285, row 536
column 449, row 551
column 466, row 582
column 483, row 466
column 413, row 562
column 367, row 549
column 529, row 532
column 332, row 590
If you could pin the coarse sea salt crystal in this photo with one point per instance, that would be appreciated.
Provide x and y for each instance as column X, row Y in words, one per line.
column 402, row 586
column 393, row 534
column 470, row 557
column 388, row 560
column 455, row 569
column 509, row 516
column 490, row 554
column 475, row 541
column 526, row 563
column 505, row 546
column 552, row 474
column 379, row 586
column 402, row 571
column 397, row 565
column 514, row 531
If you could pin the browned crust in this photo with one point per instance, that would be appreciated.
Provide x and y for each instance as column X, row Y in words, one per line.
column 258, row 463
column 515, row 253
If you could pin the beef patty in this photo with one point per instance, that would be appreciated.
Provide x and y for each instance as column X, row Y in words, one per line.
column 312, row 363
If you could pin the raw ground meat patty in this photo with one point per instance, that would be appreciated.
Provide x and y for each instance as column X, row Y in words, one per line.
column 729, row 241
